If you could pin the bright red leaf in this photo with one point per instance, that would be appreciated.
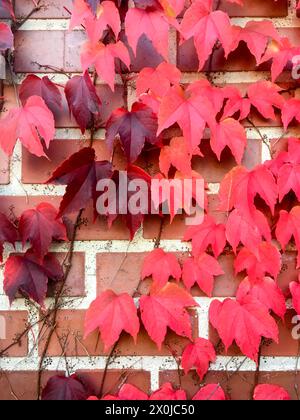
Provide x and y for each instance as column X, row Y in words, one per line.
column 266, row 259
column 128, row 392
column 44, row 88
column 244, row 322
column 295, row 291
column 209, row 233
column 288, row 226
column 102, row 57
column 168, row 393
column 165, row 308
column 83, row 100
column 6, row 37
column 266, row 291
column 201, row 270
column 211, row 392
column 161, row 266
column 111, row 314
column 30, row 275
column 40, row 226
column 81, row 174
column 28, row 124
column 267, row 392
column 265, row 96
column 158, row 80
column 290, row 110
column 198, row 355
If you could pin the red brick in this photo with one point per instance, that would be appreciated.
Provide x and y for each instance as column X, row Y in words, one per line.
column 70, row 332
column 43, row 47
column 73, row 43
column 22, row 385
column 15, row 323
column 52, row 9
column 114, row 380
column 257, row 8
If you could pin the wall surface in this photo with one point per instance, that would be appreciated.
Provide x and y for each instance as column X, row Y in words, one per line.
column 105, row 258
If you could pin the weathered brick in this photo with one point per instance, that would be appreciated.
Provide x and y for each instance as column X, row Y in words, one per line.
column 12, row 325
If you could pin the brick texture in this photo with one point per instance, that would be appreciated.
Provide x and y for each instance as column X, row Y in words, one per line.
column 103, row 257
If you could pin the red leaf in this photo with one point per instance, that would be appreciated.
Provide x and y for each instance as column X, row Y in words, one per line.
column 236, row 103
column 107, row 15
column 83, row 100
column 44, row 88
column 190, row 110
column 128, row 393
column 211, row 392
column 206, row 234
column 264, row 96
column 239, row 230
column 147, row 4
column 201, row 270
column 167, row 393
column 281, row 53
column 125, row 199
column 6, row 37
column 111, row 314
column 295, row 291
column 267, row 392
column 8, row 233
column 266, row 291
column 245, row 322
column 93, row 5
column 198, row 355
column 40, row 226
column 81, row 174
column 288, row 227
column 26, row 273
column 240, row 187
column 102, row 57
column 230, row 133
column 256, row 35
column 206, row 26
column 158, row 80
column 290, row 110
column 28, row 124
column 166, row 308
column 265, row 260
column 287, row 168
column 178, row 155
column 153, row 24
column 135, row 128
column 60, row 388
column 161, row 266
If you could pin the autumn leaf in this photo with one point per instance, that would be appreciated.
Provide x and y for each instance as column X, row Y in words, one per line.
column 161, row 266
column 80, row 173
column 265, row 96
column 128, row 392
column 268, row 392
column 40, row 226
column 83, row 100
column 7, row 6
column 29, row 275
column 290, row 110
column 288, row 227
column 29, row 124
column 244, row 322
column 168, row 393
column 61, row 388
column 158, row 81
column 111, row 314
column 166, row 308
column 43, row 87
column 8, row 233
column 266, row 291
column 236, row 103
column 102, row 57
column 295, row 292
column 134, row 128
column 153, row 24
column 201, row 270
column 266, row 259
column 6, row 37
column 207, row 27
column 210, row 392
column 198, row 355
column 209, row 233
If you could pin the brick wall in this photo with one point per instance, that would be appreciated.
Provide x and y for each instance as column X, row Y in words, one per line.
column 104, row 258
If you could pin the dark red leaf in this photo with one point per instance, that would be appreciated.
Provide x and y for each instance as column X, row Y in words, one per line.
column 80, row 173
column 8, row 233
column 83, row 100
column 60, row 388
column 7, row 6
